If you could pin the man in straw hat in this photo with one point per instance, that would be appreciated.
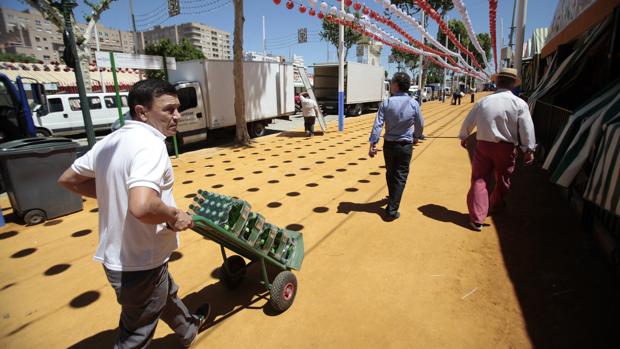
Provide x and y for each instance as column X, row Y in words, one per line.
column 503, row 123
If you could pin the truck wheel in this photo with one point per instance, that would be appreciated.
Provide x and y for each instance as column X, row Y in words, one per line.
column 283, row 291
column 41, row 132
column 359, row 109
column 34, row 217
column 256, row 129
column 232, row 271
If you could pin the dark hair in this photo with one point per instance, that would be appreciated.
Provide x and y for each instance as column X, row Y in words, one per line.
column 144, row 93
column 504, row 82
column 402, row 80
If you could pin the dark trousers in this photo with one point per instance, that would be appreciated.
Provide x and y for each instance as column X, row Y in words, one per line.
column 309, row 123
column 397, row 158
column 145, row 297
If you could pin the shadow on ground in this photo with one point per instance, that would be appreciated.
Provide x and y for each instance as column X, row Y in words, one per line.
column 443, row 214
column 569, row 296
column 375, row 207
column 297, row 134
column 250, row 295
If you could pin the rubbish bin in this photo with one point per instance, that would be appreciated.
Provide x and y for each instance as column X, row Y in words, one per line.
column 30, row 169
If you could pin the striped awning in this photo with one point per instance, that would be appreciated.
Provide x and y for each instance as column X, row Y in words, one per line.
column 557, row 77
column 582, row 134
column 603, row 187
column 66, row 78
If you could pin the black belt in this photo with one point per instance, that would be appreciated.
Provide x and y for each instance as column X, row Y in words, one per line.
column 399, row 142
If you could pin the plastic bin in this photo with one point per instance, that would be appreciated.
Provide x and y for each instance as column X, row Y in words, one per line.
column 30, row 169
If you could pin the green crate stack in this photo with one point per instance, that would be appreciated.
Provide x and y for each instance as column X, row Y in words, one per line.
column 236, row 217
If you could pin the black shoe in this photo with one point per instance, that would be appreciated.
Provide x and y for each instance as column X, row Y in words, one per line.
column 392, row 216
column 475, row 226
column 202, row 314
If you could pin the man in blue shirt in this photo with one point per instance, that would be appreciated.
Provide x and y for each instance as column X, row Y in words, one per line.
column 403, row 127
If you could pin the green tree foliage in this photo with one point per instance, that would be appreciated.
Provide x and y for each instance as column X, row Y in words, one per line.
column 17, row 57
column 441, row 6
column 406, row 60
column 182, row 52
column 330, row 34
column 484, row 39
column 458, row 28
column 434, row 74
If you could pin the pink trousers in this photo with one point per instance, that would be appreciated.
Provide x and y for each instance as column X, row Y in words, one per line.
column 489, row 159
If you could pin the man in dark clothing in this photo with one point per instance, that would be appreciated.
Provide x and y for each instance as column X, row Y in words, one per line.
column 403, row 125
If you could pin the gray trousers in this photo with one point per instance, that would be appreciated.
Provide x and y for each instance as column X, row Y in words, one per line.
column 145, row 297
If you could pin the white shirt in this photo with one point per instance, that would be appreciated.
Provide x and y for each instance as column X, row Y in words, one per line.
column 133, row 156
column 501, row 117
column 307, row 106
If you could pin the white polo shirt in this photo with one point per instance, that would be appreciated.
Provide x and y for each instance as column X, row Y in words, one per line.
column 133, row 156
column 307, row 106
column 501, row 117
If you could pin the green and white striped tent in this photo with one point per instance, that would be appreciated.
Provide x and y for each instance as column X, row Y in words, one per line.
column 582, row 134
column 592, row 132
column 603, row 187
column 566, row 72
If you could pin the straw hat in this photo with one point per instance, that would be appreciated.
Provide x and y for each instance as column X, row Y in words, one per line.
column 509, row 73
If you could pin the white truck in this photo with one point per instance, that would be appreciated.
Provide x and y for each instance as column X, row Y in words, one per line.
column 364, row 87
column 206, row 92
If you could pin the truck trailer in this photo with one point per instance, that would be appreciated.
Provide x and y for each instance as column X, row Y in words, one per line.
column 207, row 94
column 364, row 87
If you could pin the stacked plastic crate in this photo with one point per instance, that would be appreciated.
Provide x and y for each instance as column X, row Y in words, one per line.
column 237, row 219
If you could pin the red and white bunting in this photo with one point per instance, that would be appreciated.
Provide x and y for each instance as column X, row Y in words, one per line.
column 462, row 10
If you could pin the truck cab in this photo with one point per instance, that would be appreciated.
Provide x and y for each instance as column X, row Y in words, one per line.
column 193, row 124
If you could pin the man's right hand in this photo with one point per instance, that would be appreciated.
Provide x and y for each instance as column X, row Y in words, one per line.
column 372, row 151
column 464, row 143
column 528, row 158
column 182, row 221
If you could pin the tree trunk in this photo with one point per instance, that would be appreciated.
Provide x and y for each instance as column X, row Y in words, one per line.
column 425, row 67
column 242, row 136
column 83, row 61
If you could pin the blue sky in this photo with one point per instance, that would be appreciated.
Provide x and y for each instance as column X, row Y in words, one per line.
column 282, row 24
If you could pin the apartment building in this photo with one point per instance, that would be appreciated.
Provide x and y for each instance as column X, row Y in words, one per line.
column 214, row 43
column 28, row 32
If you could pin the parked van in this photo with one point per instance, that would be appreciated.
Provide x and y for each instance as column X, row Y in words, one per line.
column 427, row 94
column 64, row 116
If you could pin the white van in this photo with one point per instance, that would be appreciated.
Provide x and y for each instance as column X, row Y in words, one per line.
column 65, row 113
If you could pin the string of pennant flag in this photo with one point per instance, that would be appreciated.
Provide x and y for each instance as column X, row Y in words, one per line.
column 363, row 19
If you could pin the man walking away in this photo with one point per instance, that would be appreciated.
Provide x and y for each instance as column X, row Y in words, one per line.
column 309, row 110
column 503, row 123
column 130, row 174
column 404, row 124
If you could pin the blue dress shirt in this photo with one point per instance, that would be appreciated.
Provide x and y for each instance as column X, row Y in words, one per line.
column 403, row 120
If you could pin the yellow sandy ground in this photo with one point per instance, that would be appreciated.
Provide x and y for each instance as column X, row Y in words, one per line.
column 423, row 281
